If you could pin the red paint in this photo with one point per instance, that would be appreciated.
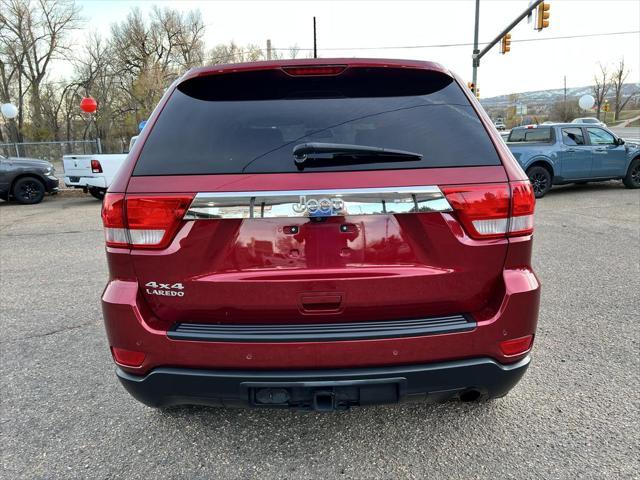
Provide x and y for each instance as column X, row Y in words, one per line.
column 298, row 271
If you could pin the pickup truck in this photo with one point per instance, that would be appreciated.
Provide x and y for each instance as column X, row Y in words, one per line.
column 93, row 173
column 564, row 153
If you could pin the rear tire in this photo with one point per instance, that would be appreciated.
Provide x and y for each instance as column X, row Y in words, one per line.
column 28, row 190
column 540, row 180
column 632, row 179
column 97, row 193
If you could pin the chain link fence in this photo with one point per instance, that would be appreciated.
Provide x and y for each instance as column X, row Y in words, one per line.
column 51, row 151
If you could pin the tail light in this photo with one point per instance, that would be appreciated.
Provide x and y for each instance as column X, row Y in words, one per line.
column 142, row 221
column 493, row 210
column 95, row 166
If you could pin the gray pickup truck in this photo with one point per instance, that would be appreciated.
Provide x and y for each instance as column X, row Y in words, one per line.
column 26, row 180
column 563, row 153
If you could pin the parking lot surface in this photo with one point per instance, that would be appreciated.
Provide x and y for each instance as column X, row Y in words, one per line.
column 575, row 414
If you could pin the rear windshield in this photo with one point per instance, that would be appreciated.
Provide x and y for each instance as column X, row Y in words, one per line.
column 250, row 122
column 531, row 135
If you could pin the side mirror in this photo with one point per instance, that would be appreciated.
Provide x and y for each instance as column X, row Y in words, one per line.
column 619, row 141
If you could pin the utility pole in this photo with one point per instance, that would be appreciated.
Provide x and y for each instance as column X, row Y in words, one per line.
column 476, row 61
column 315, row 46
column 564, row 105
column 268, row 49
column 478, row 54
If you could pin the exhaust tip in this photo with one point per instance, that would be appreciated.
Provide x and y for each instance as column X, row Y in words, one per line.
column 470, row 395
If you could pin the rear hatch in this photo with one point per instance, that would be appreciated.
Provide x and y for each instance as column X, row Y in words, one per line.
column 230, row 226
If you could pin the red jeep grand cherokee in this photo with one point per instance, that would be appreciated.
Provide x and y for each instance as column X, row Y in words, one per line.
column 319, row 234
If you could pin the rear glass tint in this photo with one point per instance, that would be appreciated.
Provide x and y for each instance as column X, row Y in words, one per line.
column 531, row 135
column 250, row 122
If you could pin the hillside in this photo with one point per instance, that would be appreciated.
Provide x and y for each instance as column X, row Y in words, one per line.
column 547, row 97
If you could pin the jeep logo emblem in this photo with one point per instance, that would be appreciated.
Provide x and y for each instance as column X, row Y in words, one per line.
column 326, row 206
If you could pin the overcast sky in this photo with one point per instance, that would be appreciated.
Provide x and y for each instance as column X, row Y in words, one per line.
column 343, row 26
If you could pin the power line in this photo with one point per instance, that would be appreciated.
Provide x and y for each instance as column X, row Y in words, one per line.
column 230, row 56
column 445, row 45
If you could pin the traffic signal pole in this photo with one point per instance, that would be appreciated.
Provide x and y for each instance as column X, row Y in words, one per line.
column 477, row 53
column 475, row 44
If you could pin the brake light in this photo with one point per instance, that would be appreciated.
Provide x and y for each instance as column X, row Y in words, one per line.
column 493, row 210
column 128, row 358
column 516, row 346
column 142, row 221
column 315, row 70
column 95, row 166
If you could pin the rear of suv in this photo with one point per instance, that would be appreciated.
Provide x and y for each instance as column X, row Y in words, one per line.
column 319, row 234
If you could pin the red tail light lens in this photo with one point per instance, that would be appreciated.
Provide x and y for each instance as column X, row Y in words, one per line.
column 482, row 209
column 516, row 346
column 95, row 166
column 113, row 220
column 128, row 358
column 143, row 221
column 153, row 221
column 493, row 210
column 320, row 70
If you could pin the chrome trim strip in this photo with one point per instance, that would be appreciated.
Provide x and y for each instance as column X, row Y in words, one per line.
column 317, row 203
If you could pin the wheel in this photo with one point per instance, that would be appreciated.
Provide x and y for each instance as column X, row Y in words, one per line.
column 632, row 178
column 28, row 190
column 540, row 180
column 97, row 193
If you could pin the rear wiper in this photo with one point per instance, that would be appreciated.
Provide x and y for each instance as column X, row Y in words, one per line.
column 306, row 154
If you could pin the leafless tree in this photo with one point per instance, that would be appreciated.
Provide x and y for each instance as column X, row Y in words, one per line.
column 618, row 78
column 233, row 53
column 37, row 33
column 563, row 111
column 601, row 88
column 294, row 51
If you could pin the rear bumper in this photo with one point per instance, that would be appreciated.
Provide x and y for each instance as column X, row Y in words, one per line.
column 324, row 389
column 81, row 182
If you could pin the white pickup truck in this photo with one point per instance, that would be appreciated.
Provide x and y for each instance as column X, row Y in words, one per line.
column 93, row 173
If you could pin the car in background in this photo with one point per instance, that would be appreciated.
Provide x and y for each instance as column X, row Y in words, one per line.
column 26, row 180
column 573, row 153
column 500, row 126
column 93, row 173
column 319, row 234
column 591, row 120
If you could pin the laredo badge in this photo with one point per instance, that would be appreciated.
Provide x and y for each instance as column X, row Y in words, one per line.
column 165, row 289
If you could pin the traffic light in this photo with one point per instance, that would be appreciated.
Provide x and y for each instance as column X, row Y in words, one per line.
column 471, row 86
column 542, row 20
column 505, row 44
column 606, row 106
column 477, row 92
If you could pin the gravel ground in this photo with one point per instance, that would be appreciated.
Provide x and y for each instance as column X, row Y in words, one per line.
column 575, row 414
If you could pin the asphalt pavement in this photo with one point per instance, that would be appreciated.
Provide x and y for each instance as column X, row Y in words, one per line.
column 574, row 415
